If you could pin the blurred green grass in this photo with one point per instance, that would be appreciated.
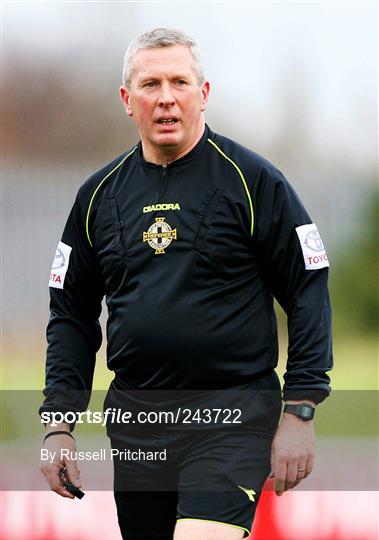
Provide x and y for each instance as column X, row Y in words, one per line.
column 353, row 412
column 355, row 366
column 355, row 362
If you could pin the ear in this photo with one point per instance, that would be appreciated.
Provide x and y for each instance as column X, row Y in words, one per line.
column 205, row 89
column 125, row 98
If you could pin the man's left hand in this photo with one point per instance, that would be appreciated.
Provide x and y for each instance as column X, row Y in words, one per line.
column 292, row 452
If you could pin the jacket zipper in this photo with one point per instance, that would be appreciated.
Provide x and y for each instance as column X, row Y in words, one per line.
column 163, row 181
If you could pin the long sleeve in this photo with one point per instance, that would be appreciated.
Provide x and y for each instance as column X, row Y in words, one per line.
column 73, row 331
column 294, row 266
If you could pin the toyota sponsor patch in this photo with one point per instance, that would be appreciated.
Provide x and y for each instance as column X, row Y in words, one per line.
column 314, row 253
column 60, row 265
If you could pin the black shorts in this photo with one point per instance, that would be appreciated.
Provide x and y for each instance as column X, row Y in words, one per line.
column 196, row 471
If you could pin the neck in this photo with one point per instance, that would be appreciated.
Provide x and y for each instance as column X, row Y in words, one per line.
column 164, row 155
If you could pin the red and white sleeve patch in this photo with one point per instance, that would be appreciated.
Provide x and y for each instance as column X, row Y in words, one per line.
column 314, row 253
column 60, row 266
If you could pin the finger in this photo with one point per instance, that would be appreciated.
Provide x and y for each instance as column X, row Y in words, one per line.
column 301, row 472
column 272, row 460
column 280, row 477
column 73, row 472
column 54, row 482
column 296, row 483
column 291, row 475
column 308, row 469
column 309, row 466
column 63, row 492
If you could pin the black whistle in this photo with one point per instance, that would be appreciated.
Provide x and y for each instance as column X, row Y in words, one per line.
column 69, row 486
column 73, row 489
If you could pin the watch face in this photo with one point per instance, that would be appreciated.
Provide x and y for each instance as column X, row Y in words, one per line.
column 306, row 411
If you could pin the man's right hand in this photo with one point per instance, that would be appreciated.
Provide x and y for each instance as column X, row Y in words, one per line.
column 55, row 462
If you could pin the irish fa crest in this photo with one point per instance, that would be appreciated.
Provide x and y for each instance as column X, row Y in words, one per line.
column 159, row 236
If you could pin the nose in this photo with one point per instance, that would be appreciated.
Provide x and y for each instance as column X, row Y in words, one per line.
column 166, row 96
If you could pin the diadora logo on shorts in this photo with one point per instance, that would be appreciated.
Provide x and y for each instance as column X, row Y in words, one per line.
column 249, row 492
column 161, row 206
column 160, row 235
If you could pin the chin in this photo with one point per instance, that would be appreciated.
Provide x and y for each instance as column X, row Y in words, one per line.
column 167, row 139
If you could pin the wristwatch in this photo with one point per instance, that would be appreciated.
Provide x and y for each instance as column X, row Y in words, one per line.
column 304, row 411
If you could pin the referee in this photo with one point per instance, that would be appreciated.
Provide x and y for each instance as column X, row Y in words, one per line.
column 189, row 236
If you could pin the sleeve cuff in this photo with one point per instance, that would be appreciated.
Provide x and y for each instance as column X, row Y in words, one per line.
column 313, row 394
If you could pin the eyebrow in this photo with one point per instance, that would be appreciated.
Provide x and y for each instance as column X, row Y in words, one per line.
column 146, row 78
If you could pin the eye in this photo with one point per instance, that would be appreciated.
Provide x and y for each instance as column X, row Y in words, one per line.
column 181, row 82
column 150, row 84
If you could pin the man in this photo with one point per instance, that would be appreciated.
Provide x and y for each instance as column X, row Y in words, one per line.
column 189, row 236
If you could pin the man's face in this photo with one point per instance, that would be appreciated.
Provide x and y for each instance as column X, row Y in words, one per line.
column 164, row 86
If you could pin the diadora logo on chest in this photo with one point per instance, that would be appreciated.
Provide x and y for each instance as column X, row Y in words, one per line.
column 161, row 206
column 160, row 235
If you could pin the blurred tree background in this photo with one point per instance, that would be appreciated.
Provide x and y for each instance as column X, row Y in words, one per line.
column 311, row 110
column 295, row 82
column 354, row 280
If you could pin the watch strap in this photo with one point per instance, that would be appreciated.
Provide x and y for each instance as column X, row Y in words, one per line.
column 304, row 411
column 58, row 433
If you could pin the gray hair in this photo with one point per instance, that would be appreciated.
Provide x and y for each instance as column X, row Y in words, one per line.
column 160, row 37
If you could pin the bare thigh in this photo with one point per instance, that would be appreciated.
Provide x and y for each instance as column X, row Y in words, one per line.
column 192, row 529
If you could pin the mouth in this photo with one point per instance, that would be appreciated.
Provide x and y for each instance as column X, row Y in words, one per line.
column 167, row 121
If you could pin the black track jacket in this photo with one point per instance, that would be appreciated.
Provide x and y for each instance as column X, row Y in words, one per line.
column 189, row 258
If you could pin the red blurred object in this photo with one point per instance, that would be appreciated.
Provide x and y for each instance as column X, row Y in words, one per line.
column 297, row 515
